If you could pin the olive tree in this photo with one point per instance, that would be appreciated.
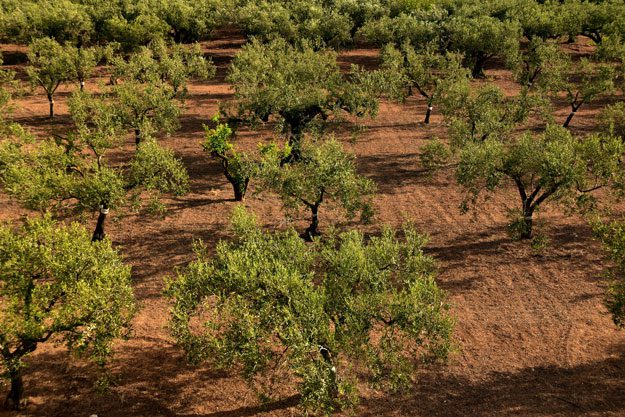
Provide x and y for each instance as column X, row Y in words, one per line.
column 542, row 66
column 586, row 82
column 56, row 285
column 71, row 174
column 476, row 114
column 84, row 61
column 325, row 316
column 160, row 62
column 324, row 172
column 237, row 166
column 550, row 166
column 147, row 108
column 428, row 72
column 50, row 65
column 298, row 85
column 482, row 38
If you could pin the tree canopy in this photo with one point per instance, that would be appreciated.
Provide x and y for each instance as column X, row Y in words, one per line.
column 57, row 285
column 334, row 313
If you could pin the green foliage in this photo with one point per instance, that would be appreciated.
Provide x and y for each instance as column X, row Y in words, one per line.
column 62, row 20
column 295, row 21
column 298, row 85
column 612, row 119
column 419, row 27
column 612, row 235
column 55, row 284
column 551, row 166
column 157, row 168
column 324, row 172
column 237, row 166
column 434, row 154
column 334, row 313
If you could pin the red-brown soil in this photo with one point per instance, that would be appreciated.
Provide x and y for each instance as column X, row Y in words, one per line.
column 534, row 338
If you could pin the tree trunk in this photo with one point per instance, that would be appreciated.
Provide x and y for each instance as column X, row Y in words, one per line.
column 528, row 222
column 312, row 230
column 240, row 188
column 427, row 114
column 137, row 137
column 327, row 357
column 14, row 398
column 569, row 118
column 98, row 233
column 51, row 101
column 478, row 67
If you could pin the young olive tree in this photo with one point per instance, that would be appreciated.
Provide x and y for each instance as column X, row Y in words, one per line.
column 158, row 62
column 324, row 172
column 586, row 82
column 237, row 166
column 482, row 38
column 72, row 174
column 547, row 167
column 84, row 61
column 477, row 114
column 57, row 285
column 298, row 85
column 428, row 72
column 326, row 315
column 50, row 65
column 543, row 66
column 147, row 108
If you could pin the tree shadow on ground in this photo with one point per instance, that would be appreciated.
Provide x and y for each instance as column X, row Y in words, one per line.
column 594, row 388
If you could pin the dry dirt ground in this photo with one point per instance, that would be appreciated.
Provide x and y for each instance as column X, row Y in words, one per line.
column 533, row 336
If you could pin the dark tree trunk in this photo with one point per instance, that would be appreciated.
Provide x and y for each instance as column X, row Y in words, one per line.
column 14, row 398
column 312, row 230
column 427, row 114
column 98, row 233
column 240, row 188
column 478, row 67
column 51, row 101
column 137, row 137
column 528, row 222
column 567, row 122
